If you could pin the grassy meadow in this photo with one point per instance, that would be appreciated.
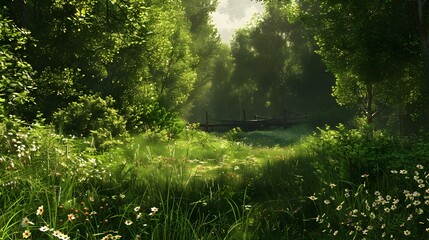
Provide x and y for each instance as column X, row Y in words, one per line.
column 296, row 183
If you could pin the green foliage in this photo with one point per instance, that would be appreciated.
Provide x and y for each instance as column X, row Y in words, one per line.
column 15, row 72
column 372, row 48
column 110, row 48
column 276, row 67
column 347, row 153
column 233, row 134
column 151, row 116
column 91, row 116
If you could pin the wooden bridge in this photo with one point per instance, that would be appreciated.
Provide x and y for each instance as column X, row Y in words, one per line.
column 257, row 123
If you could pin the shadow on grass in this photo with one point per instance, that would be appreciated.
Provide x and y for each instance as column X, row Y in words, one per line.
column 279, row 137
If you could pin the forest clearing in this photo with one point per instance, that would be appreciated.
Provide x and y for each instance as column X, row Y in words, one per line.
column 278, row 184
column 131, row 119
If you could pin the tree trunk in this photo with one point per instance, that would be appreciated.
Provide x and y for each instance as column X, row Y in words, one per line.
column 422, row 8
column 369, row 103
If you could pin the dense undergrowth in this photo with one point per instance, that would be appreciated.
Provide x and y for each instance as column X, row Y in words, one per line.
column 283, row 184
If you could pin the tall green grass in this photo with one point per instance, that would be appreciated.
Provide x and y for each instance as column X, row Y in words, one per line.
column 257, row 185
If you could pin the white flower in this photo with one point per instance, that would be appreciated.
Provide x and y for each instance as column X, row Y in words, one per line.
column 44, row 229
column 39, row 211
column 25, row 222
column 313, row 198
column 26, row 234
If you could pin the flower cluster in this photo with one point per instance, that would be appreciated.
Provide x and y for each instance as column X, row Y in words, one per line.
column 25, row 223
column 135, row 218
column 361, row 214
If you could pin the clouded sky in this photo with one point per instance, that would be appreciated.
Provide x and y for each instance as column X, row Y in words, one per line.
column 234, row 14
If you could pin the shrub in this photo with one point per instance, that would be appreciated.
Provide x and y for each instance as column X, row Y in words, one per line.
column 152, row 116
column 91, row 116
column 347, row 153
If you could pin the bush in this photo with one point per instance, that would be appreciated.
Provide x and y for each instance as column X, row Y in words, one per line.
column 347, row 153
column 152, row 116
column 91, row 116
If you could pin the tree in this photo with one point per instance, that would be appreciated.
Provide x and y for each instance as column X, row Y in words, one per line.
column 275, row 67
column 138, row 52
column 206, row 45
column 370, row 48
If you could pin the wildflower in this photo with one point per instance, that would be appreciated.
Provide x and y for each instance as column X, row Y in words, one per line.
column 335, row 233
column 122, row 196
column 139, row 215
column 377, row 193
column 153, row 211
column 339, row 207
column 387, row 210
column 128, row 222
column 44, row 229
column 407, row 233
column 419, row 166
column 313, row 198
column 416, row 203
column 26, row 234
column 136, row 209
column 71, row 217
column 327, row 201
column 372, row 215
column 332, row 185
column 365, row 175
column 39, row 211
column 25, row 222
column 410, row 217
column 57, row 233
column 394, row 171
column 419, row 211
column 403, row 172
